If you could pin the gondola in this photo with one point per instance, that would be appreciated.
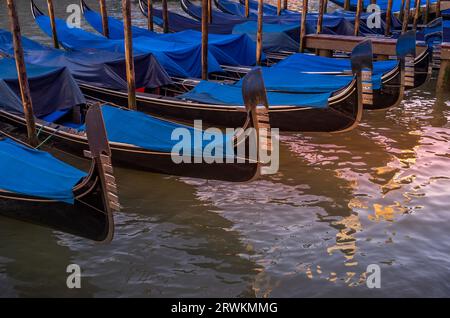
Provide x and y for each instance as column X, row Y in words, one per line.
column 342, row 111
column 137, row 140
column 238, row 8
column 38, row 188
column 229, row 49
column 421, row 62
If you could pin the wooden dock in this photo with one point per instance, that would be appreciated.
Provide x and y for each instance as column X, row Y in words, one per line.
column 325, row 44
column 443, row 83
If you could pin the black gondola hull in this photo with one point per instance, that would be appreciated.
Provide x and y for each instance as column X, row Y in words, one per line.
column 340, row 115
column 87, row 217
column 128, row 156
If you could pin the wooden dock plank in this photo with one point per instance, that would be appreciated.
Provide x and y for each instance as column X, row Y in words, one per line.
column 347, row 43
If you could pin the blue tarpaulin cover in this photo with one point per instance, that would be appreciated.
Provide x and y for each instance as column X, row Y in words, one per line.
column 98, row 68
column 178, row 22
column 178, row 59
column 148, row 132
column 47, row 97
column 276, row 37
column 236, row 8
column 225, row 94
column 227, row 49
column 36, row 173
column 313, row 63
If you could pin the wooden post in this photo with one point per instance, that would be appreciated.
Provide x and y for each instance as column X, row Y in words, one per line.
column 22, row 74
column 388, row 18
column 406, row 16
column 150, row 24
column 347, row 5
column 165, row 17
column 285, row 4
column 416, row 14
column 402, row 9
column 210, row 8
column 259, row 38
column 303, row 26
column 126, row 12
column 359, row 8
column 247, row 8
column 279, row 7
column 320, row 17
column 426, row 14
column 51, row 13
column 205, row 39
column 104, row 14
column 438, row 8
column 325, row 10
column 443, row 80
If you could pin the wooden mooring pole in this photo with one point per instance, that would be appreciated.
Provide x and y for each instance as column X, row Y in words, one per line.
column 126, row 12
column 347, row 5
column 22, row 74
column 406, row 16
column 443, row 80
column 210, row 8
column 247, row 8
column 104, row 14
column 150, row 24
column 259, row 37
column 303, row 26
column 320, row 17
column 165, row 17
column 279, row 7
column 359, row 8
column 416, row 14
column 387, row 31
column 205, row 39
column 51, row 13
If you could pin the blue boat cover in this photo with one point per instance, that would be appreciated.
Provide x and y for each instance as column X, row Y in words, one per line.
column 316, row 64
column 276, row 37
column 46, row 96
column 36, row 173
column 227, row 49
column 178, row 22
column 183, row 60
column 396, row 5
column 446, row 14
column 446, row 31
column 231, row 95
column 237, row 8
column 148, row 132
column 98, row 68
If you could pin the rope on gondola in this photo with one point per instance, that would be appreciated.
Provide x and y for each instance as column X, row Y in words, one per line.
column 48, row 138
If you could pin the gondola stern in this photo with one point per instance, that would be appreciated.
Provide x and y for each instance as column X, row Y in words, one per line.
column 362, row 67
column 100, row 154
column 254, row 95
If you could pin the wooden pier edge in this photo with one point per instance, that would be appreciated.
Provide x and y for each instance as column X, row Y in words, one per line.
column 344, row 43
column 443, row 81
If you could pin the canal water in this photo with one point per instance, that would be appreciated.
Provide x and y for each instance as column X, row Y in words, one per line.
column 379, row 194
